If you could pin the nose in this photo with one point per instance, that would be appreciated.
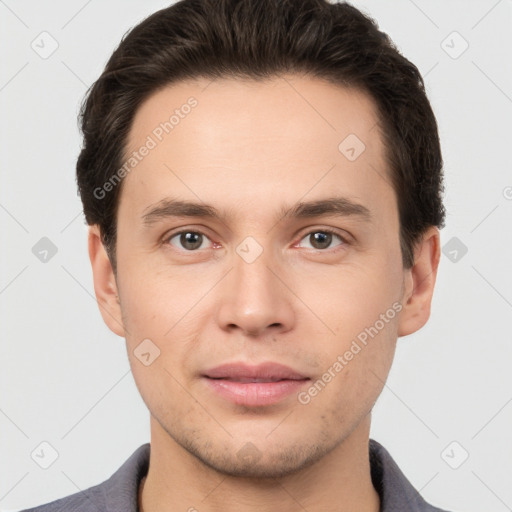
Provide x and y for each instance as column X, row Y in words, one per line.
column 255, row 299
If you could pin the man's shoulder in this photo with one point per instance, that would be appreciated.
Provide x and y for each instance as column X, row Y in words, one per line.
column 119, row 492
column 89, row 500
column 397, row 494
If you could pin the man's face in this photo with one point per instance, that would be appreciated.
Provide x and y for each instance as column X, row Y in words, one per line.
column 256, row 285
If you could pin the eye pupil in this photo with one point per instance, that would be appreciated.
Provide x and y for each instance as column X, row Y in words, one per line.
column 320, row 239
column 191, row 240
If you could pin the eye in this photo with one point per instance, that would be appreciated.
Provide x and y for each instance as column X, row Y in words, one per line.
column 189, row 240
column 322, row 238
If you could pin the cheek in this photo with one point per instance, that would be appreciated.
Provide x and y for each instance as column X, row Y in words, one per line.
column 153, row 304
column 159, row 387
column 349, row 299
column 363, row 312
column 353, row 376
column 163, row 327
column 148, row 294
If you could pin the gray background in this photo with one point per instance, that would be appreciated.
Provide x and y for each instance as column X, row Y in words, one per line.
column 65, row 377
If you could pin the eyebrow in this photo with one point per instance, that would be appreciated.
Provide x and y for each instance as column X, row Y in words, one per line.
column 333, row 206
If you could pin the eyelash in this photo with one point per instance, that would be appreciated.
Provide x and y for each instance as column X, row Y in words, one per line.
column 344, row 240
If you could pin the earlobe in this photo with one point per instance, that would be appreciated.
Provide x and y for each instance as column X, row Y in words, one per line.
column 419, row 283
column 105, row 286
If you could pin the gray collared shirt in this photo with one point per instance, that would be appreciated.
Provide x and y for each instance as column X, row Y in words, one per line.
column 120, row 492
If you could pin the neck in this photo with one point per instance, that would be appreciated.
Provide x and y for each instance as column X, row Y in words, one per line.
column 339, row 481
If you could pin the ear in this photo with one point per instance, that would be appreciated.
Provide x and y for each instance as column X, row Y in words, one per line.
column 105, row 286
column 419, row 283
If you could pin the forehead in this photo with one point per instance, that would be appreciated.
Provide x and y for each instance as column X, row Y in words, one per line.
column 266, row 108
column 281, row 136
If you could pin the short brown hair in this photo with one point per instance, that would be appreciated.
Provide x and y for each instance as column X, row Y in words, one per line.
column 261, row 39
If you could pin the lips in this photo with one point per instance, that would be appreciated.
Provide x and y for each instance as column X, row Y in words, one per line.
column 254, row 386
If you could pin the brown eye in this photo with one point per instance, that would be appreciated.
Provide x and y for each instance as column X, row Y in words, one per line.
column 189, row 240
column 322, row 239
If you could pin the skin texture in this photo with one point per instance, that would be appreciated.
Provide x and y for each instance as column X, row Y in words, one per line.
column 250, row 149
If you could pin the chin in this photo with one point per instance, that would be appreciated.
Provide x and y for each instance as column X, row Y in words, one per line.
column 250, row 462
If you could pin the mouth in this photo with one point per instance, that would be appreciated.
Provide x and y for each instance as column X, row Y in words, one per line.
column 254, row 386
